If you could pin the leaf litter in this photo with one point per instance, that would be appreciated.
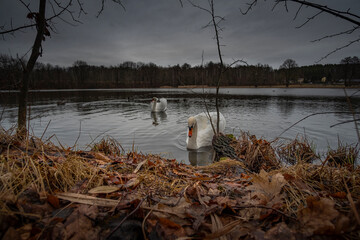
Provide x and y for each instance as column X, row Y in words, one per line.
column 50, row 192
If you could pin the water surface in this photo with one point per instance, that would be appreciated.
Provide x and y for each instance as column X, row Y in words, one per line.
column 124, row 114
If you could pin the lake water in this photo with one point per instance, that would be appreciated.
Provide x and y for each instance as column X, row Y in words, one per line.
column 124, row 114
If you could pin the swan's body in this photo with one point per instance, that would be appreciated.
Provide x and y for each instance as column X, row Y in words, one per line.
column 200, row 133
column 158, row 105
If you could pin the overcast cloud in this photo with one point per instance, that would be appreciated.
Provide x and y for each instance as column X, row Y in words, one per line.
column 164, row 33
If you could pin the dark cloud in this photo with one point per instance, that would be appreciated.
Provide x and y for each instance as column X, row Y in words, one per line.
column 164, row 33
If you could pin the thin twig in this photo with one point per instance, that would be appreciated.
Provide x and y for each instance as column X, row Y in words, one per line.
column 353, row 114
column 127, row 216
column 45, row 129
column 313, row 114
column 352, row 204
column 266, row 207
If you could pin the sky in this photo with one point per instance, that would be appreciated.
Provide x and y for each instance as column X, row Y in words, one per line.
column 165, row 33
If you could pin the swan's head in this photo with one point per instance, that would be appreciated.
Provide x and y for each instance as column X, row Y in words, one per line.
column 154, row 99
column 191, row 125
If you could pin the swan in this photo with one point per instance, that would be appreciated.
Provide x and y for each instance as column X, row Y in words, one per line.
column 200, row 132
column 158, row 105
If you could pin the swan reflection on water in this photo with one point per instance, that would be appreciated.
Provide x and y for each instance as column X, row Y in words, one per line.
column 201, row 157
column 158, row 117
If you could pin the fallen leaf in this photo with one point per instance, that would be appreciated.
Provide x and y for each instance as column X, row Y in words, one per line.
column 197, row 212
column 341, row 195
column 102, row 157
column 78, row 226
column 103, row 189
column 281, row 232
column 132, row 183
column 53, row 200
column 225, row 202
column 80, row 198
column 167, row 229
column 91, row 211
column 263, row 184
column 317, row 216
column 139, row 166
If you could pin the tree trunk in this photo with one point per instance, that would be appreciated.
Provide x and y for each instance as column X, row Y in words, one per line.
column 35, row 53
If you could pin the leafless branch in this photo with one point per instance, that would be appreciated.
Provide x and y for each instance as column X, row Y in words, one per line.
column 344, row 122
column 26, row 5
column 81, row 9
column 63, row 9
column 249, row 7
column 350, row 31
column 345, row 15
column 313, row 114
column 199, row 7
column 103, row 6
column 120, row 3
column 298, row 11
column 309, row 19
column 338, row 49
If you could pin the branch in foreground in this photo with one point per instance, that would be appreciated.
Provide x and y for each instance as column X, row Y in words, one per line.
column 313, row 114
column 338, row 49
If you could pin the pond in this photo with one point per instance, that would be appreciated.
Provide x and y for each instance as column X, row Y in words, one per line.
column 124, row 114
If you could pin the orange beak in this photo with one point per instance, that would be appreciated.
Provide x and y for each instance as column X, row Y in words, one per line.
column 190, row 131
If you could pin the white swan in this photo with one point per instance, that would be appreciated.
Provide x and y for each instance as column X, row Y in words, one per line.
column 158, row 105
column 200, row 132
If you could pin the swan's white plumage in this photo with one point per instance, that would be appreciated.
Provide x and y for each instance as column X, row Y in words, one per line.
column 202, row 132
column 158, row 105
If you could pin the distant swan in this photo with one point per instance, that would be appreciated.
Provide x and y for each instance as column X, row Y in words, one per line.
column 200, row 132
column 158, row 105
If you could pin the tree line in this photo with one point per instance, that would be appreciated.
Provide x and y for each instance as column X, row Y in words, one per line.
column 149, row 75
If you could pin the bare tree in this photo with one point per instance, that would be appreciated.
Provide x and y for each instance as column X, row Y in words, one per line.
column 346, row 15
column 43, row 25
column 288, row 66
column 349, row 68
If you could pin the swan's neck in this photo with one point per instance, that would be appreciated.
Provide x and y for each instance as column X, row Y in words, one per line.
column 192, row 143
column 154, row 106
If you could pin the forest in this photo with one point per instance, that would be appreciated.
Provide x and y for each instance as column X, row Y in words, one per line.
column 149, row 75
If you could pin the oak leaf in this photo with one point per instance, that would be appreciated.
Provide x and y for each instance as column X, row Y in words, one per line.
column 318, row 215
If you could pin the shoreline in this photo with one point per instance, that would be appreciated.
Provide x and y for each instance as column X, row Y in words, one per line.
column 195, row 86
column 272, row 86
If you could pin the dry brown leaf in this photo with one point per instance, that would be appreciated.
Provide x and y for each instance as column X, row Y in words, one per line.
column 53, row 200
column 281, row 232
column 317, row 216
column 78, row 226
column 132, row 183
column 139, row 166
column 198, row 213
column 80, row 198
column 341, row 195
column 103, row 189
column 263, row 184
column 90, row 211
column 102, row 157
column 167, row 229
column 213, row 192
column 225, row 202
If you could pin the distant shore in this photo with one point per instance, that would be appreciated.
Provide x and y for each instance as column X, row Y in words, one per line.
column 271, row 86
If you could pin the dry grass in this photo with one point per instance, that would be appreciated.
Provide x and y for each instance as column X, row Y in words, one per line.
column 46, row 169
column 343, row 155
column 306, row 179
column 256, row 153
column 43, row 167
column 297, row 151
